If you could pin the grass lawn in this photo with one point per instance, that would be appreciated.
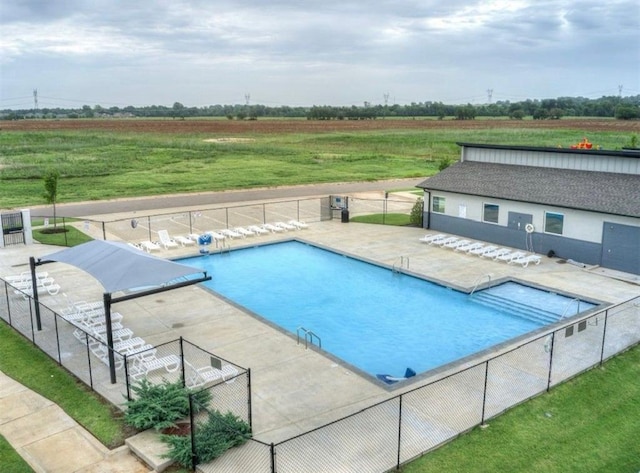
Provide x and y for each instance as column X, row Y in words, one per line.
column 70, row 237
column 11, row 461
column 387, row 219
column 31, row 367
column 98, row 165
column 590, row 424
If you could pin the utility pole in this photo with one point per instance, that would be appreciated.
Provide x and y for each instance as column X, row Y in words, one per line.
column 35, row 102
column 620, row 90
column 386, row 100
column 489, row 94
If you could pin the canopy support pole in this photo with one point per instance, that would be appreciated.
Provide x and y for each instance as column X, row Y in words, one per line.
column 34, row 288
column 107, row 316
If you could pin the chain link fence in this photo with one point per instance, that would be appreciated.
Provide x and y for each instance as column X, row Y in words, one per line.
column 384, row 436
column 83, row 352
column 380, row 437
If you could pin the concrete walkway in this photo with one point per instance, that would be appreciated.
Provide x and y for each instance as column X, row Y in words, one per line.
column 52, row 442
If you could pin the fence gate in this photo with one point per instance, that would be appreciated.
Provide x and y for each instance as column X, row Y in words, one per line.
column 12, row 229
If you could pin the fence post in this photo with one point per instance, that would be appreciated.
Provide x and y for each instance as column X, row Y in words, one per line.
column 484, row 391
column 126, row 376
column 604, row 335
column 182, row 376
column 6, row 294
column 249, row 407
column 194, row 453
column 273, row 458
column 553, row 339
column 55, row 324
column 399, row 431
column 104, row 231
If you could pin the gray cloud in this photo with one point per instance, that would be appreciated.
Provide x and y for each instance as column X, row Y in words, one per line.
column 335, row 52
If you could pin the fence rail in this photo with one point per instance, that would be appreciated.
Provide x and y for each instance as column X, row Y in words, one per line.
column 386, row 435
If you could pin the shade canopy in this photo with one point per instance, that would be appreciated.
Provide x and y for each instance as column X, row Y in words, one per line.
column 120, row 267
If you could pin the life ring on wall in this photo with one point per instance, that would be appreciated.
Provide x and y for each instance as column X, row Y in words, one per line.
column 529, row 228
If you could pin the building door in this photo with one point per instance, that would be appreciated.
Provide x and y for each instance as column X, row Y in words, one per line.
column 517, row 221
column 621, row 247
column 12, row 229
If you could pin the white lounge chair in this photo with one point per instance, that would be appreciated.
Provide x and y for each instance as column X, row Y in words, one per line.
column 525, row 260
column 510, row 256
column 149, row 246
column 432, row 238
column 298, row 224
column 469, row 247
column 494, row 253
column 166, row 240
column 456, row 244
column 146, row 363
column 286, row 226
column 481, row 251
column 446, row 241
column 216, row 235
column 258, row 230
column 24, row 276
column 197, row 377
column 272, row 228
column 244, row 231
column 184, row 241
column 231, row 233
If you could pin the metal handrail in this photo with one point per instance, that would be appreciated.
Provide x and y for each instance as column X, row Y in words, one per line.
column 569, row 305
column 402, row 260
column 308, row 337
column 478, row 281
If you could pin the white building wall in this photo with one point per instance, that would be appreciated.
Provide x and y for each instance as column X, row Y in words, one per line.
column 549, row 159
column 578, row 224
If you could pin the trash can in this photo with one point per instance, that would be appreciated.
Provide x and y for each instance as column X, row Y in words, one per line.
column 345, row 215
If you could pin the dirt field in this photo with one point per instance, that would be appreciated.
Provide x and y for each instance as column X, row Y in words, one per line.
column 270, row 126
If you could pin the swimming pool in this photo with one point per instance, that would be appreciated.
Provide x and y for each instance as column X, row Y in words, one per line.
column 372, row 318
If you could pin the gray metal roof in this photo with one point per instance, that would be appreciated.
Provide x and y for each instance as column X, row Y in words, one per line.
column 610, row 193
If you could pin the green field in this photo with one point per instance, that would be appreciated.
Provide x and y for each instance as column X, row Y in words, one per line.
column 96, row 165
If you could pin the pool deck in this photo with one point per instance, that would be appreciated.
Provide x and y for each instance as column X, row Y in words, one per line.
column 296, row 389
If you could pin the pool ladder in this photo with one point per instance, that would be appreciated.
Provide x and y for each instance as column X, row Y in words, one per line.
column 478, row 281
column 399, row 264
column 566, row 309
column 309, row 336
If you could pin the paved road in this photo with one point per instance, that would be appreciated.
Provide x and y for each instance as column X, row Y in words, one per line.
column 84, row 209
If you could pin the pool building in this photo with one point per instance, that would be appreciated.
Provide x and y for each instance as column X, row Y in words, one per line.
column 579, row 204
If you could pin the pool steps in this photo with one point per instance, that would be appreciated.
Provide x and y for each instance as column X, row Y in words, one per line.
column 519, row 309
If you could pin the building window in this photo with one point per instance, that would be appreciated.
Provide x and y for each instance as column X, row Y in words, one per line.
column 491, row 212
column 438, row 205
column 553, row 223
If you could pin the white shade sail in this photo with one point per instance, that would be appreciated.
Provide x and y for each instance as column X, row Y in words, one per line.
column 120, row 267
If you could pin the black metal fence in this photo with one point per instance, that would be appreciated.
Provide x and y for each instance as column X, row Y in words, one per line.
column 85, row 354
column 386, row 435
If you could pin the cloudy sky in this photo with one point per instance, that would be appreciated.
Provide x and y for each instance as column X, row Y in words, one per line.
column 326, row 52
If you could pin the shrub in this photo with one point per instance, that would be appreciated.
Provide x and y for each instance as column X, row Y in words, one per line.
column 212, row 438
column 416, row 213
column 444, row 163
column 159, row 406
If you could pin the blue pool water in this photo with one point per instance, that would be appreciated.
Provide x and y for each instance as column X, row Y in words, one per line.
column 366, row 315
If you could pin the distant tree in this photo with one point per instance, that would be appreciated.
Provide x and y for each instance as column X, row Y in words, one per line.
column 540, row 114
column 51, row 190
column 627, row 112
column 556, row 113
column 241, row 115
column 517, row 114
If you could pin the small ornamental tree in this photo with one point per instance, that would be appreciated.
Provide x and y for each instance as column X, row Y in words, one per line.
column 51, row 190
column 416, row 213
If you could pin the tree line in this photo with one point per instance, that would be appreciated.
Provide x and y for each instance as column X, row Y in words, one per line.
column 624, row 108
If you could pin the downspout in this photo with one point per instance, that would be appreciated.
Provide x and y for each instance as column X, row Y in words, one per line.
column 428, row 209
